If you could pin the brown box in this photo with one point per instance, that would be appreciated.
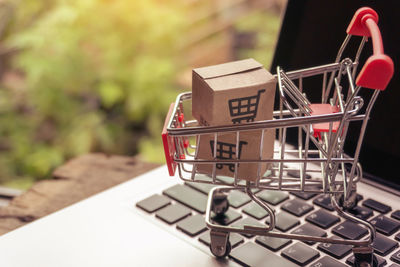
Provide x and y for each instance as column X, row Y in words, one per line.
column 249, row 148
column 235, row 92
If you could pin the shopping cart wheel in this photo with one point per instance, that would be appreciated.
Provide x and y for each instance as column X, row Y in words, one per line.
column 364, row 257
column 220, row 204
column 220, row 245
column 350, row 203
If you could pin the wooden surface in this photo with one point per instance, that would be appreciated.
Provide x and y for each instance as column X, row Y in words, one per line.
column 77, row 179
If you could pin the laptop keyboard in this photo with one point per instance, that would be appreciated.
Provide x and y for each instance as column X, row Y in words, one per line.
column 183, row 206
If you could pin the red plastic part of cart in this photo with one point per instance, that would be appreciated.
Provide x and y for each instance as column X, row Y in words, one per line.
column 378, row 69
column 168, row 142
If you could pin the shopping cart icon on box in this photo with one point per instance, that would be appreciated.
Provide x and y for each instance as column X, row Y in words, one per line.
column 226, row 151
column 245, row 108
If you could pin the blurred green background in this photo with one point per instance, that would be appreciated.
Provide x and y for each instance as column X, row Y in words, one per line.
column 84, row 76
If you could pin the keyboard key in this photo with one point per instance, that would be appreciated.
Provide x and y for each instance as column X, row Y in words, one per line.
column 237, row 199
column 255, row 210
column 304, row 195
column 202, row 187
column 396, row 257
column 383, row 245
column 381, row 261
column 327, row 262
column 187, row 196
column 385, row 225
column 361, row 212
column 234, row 238
column 396, row 215
column 173, row 213
column 273, row 243
column 192, row 225
column 297, row 207
column 349, row 230
column 229, row 217
column 284, row 221
column 153, row 203
column 338, row 251
column 322, row 219
column 300, row 254
column 273, row 197
column 324, row 201
column 394, row 265
column 397, row 237
column 296, row 174
column 248, row 221
column 378, row 206
column 310, row 230
column 251, row 254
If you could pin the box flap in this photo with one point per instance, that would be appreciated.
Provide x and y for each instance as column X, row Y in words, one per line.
column 227, row 68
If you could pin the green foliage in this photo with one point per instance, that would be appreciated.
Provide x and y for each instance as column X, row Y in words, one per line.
column 97, row 75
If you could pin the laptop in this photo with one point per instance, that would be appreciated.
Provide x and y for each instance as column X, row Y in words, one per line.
column 157, row 220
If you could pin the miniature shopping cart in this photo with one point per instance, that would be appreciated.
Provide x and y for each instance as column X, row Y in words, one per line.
column 245, row 108
column 321, row 128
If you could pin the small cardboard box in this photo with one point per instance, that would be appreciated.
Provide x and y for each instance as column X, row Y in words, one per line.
column 249, row 148
column 235, row 92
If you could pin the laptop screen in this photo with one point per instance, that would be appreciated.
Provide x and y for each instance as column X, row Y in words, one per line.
column 311, row 34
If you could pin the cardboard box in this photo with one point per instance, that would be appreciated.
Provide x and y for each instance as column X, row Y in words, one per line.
column 249, row 148
column 235, row 92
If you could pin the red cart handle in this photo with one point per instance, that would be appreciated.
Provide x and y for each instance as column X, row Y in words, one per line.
column 378, row 69
column 168, row 142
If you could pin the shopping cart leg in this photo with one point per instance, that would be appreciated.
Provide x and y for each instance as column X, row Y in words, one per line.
column 220, row 245
column 364, row 257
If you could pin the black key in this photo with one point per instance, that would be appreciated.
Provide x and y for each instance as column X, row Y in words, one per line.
column 396, row 257
column 248, row 221
column 273, row 197
column 284, row 221
column 385, row 225
column 338, row 251
column 383, row 245
column 273, row 243
column 361, row 212
column 396, row 215
column 322, row 219
column 310, row 230
column 300, row 254
column 202, row 187
column 234, row 238
column 237, row 199
column 187, row 196
column 397, row 237
column 349, row 230
column 229, row 217
column 297, row 207
column 327, row 262
column 381, row 261
column 251, row 254
column 153, row 203
column 255, row 210
column 304, row 195
column 324, row 201
column 378, row 206
column 173, row 213
column 296, row 174
column 192, row 225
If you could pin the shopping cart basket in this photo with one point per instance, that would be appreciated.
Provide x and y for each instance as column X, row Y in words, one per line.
column 322, row 129
column 245, row 108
